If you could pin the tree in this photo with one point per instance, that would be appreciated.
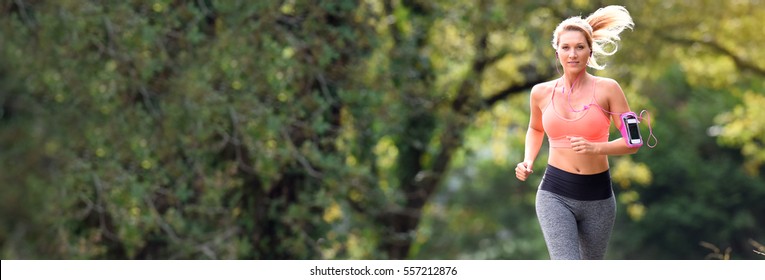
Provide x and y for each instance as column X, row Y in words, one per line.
column 292, row 130
column 178, row 130
column 201, row 130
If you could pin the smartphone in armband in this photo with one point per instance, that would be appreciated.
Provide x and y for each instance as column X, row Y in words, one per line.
column 630, row 130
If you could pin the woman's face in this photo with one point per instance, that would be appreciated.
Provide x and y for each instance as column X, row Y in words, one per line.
column 573, row 51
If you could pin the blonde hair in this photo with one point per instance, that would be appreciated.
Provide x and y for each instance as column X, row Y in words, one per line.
column 601, row 29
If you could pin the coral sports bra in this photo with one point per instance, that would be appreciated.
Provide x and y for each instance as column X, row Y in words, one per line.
column 592, row 125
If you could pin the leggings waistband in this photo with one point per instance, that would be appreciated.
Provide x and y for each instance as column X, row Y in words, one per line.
column 576, row 186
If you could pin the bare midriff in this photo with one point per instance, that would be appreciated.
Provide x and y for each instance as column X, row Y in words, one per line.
column 569, row 160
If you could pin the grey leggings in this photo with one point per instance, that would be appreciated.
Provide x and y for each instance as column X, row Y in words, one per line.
column 575, row 229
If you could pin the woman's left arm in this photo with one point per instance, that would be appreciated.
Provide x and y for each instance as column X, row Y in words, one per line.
column 617, row 104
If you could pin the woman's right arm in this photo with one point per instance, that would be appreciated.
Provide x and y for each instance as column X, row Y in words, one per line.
column 534, row 135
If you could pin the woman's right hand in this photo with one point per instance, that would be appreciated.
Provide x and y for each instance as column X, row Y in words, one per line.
column 523, row 169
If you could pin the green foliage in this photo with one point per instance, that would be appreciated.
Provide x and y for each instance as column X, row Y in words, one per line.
column 166, row 130
column 743, row 127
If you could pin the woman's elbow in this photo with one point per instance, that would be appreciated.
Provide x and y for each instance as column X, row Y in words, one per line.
column 632, row 150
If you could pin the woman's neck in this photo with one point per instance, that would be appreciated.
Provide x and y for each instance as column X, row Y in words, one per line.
column 572, row 79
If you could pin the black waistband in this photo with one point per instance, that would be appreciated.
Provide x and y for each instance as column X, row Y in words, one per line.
column 575, row 186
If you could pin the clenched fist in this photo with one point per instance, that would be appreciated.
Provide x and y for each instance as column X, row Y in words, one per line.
column 523, row 169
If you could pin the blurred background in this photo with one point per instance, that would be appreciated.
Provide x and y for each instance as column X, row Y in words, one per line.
column 359, row 129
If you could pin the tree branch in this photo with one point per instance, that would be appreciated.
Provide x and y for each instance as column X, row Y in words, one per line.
column 531, row 77
column 737, row 59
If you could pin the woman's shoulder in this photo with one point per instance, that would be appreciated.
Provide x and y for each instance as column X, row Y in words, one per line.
column 541, row 91
column 607, row 84
column 605, row 81
column 543, row 88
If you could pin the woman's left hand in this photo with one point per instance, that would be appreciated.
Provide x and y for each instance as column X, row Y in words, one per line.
column 582, row 146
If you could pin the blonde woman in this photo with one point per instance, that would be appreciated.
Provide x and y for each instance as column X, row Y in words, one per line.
column 575, row 202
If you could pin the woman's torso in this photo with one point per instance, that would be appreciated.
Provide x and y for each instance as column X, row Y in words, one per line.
column 577, row 115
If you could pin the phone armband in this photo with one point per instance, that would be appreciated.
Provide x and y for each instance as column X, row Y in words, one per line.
column 630, row 129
